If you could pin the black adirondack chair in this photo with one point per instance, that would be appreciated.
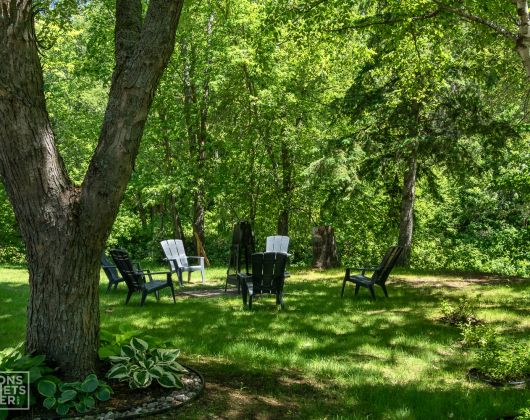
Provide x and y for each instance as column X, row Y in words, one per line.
column 268, row 277
column 379, row 276
column 110, row 271
column 243, row 245
column 135, row 278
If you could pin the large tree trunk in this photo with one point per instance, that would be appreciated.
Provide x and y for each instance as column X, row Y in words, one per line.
column 65, row 227
column 406, row 218
column 324, row 248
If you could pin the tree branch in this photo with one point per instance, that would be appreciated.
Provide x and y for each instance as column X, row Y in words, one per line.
column 501, row 30
column 389, row 19
column 127, row 29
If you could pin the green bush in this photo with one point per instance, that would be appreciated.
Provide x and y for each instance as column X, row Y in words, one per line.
column 500, row 360
column 464, row 311
column 476, row 335
column 140, row 365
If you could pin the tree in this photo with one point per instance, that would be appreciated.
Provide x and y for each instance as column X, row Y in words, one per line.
column 64, row 226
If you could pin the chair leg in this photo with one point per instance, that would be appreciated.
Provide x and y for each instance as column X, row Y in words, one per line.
column 189, row 276
column 372, row 291
column 179, row 275
column 250, row 301
column 202, row 274
column 343, row 286
column 244, row 295
column 108, row 288
column 172, row 292
column 279, row 300
column 129, row 294
column 357, row 287
column 144, row 295
column 157, row 294
column 115, row 286
column 384, row 289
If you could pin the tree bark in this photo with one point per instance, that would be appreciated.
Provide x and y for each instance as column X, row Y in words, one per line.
column 324, row 248
column 65, row 227
column 406, row 217
column 523, row 38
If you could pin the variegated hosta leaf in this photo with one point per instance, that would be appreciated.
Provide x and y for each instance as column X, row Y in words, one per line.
column 169, row 380
column 128, row 351
column 118, row 372
column 170, row 355
column 149, row 364
column 139, row 345
column 156, row 371
column 118, row 359
column 142, row 378
column 177, row 367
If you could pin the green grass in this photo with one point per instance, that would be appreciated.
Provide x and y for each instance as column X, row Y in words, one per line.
column 321, row 357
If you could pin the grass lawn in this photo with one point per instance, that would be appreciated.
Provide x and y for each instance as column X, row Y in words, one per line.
column 321, row 357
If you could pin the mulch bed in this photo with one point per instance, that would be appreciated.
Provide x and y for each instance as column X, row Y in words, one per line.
column 130, row 403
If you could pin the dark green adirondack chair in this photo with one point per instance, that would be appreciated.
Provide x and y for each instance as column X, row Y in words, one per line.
column 110, row 271
column 135, row 278
column 268, row 277
column 379, row 276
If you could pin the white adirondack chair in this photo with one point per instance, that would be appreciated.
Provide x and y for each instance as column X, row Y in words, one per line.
column 179, row 261
column 277, row 243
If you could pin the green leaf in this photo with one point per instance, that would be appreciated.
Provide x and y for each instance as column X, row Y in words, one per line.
column 169, row 380
column 80, row 407
column 89, row 384
column 118, row 372
column 128, row 351
column 156, row 371
column 142, row 379
column 119, row 359
column 108, row 350
column 106, row 336
column 49, row 403
column 47, row 388
column 62, row 409
column 139, row 345
column 89, row 401
column 103, row 394
column 66, row 396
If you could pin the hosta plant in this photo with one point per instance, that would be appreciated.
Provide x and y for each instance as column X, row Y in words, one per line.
column 110, row 342
column 139, row 365
column 79, row 396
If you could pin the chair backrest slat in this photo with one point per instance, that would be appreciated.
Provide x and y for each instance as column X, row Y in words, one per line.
column 109, row 268
column 174, row 251
column 268, row 271
column 382, row 272
column 277, row 243
column 134, row 279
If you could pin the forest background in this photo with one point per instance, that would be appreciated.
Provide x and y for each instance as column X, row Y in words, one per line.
column 301, row 114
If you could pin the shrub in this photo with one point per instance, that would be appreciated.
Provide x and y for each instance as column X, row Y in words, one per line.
column 501, row 360
column 140, row 365
column 476, row 335
column 463, row 312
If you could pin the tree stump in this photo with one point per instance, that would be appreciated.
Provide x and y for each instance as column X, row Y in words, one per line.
column 324, row 247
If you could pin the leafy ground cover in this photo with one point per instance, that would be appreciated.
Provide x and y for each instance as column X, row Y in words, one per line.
column 321, row 357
